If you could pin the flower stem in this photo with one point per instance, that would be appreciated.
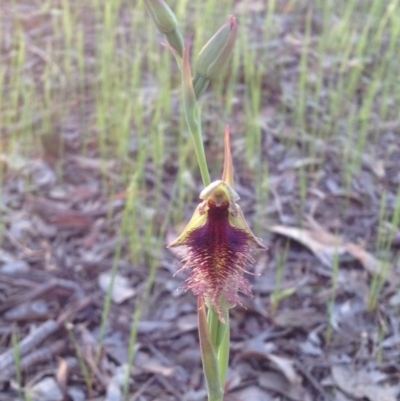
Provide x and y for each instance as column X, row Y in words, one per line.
column 220, row 338
column 201, row 157
column 208, row 356
column 193, row 115
column 223, row 352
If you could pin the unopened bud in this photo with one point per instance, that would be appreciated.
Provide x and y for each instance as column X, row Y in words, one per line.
column 215, row 55
column 166, row 23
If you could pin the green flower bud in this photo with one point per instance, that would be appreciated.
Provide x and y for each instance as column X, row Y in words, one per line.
column 215, row 55
column 166, row 23
column 162, row 15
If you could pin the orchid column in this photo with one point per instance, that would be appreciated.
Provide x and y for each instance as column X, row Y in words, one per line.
column 218, row 238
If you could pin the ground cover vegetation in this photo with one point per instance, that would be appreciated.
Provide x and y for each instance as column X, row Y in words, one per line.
column 98, row 175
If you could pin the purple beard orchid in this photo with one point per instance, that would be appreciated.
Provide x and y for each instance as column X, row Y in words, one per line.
column 219, row 244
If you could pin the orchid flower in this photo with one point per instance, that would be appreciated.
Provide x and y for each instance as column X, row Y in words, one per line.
column 220, row 243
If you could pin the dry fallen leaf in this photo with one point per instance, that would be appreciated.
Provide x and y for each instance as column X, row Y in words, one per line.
column 375, row 165
column 363, row 383
column 290, row 383
column 60, row 216
column 286, row 366
column 121, row 290
column 62, row 376
column 278, row 383
column 252, row 393
column 325, row 245
column 115, row 385
column 322, row 244
column 152, row 365
column 46, row 390
column 370, row 263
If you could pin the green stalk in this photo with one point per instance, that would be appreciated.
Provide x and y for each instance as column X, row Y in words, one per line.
column 192, row 113
column 223, row 350
column 208, row 355
column 220, row 338
column 201, row 157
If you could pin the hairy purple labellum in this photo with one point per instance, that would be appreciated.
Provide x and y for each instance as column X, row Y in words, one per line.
column 218, row 256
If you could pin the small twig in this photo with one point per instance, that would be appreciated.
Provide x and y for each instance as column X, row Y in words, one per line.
column 41, row 333
column 143, row 389
column 75, row 308
column 41, row 355
column 40, row 290
column 27, row 296
column 26, row 250
column 30, row 341
column 313, row 381
column 169, row 386
column 87, row 351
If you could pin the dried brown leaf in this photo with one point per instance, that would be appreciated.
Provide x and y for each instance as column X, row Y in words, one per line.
column 149, row 364
column 278, row 383
column 46, row 390
column 325, row 245
column 322, row 244
column 62, row 376
column 286, row 366
column 363, row 383
column 252, row 393
column 122, row 289
column 370, row 263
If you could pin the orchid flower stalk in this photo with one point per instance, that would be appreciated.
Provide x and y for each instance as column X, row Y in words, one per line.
column 220, row 245
column 219, row 241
